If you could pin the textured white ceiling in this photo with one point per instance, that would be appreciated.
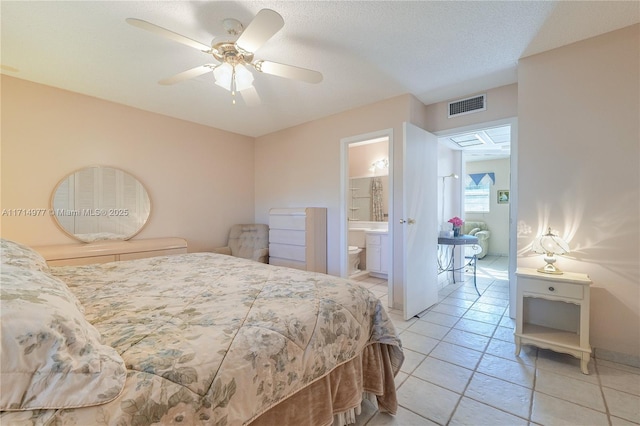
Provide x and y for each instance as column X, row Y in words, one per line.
column 366, row 50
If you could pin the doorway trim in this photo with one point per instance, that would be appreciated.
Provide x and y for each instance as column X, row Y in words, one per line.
column 344, row 202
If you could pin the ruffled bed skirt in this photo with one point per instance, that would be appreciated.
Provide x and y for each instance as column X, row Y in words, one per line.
column 349, row 416
column 335, row 399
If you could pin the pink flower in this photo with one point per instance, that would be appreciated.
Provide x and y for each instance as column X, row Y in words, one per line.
column 456, row 221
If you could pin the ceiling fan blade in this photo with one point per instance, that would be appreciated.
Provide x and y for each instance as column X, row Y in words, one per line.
column 250, row 96
column 148, row 26
column 262, row 28
column 185, row 75
column 289, row 71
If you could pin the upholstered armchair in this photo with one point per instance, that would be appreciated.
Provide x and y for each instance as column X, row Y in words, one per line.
column 479, row 230
column 247, row 241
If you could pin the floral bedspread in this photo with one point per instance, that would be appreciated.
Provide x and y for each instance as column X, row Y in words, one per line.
column 213, row 339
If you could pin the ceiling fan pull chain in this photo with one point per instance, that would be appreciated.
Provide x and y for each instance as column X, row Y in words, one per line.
column 233, row 84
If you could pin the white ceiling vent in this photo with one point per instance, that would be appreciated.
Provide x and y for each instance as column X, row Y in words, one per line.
column 467, row 105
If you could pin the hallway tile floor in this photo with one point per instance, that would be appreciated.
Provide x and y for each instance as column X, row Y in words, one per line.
column 460, row 367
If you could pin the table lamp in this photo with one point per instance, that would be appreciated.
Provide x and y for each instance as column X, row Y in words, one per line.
column 550, row 244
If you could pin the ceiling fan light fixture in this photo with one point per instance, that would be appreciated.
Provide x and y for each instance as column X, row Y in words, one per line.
column 224, row 75
column 235, row 54
column 233, row 77
column 243, row 78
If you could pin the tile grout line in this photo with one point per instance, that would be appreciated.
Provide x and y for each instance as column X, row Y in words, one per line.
column 484, row 352
column 474, row 371
column 461, row 395
column 604, row 399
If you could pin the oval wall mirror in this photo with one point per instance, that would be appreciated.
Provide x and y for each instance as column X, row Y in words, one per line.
column 100, row 203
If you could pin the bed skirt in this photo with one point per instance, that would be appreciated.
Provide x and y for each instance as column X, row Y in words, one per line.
column 335, row 398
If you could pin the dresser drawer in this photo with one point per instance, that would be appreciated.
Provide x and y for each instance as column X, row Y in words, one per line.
column 154, row 253
column 276, row 261
column 286, row 251
column 77, row 261
column 287, row 222
column 549, row 288
column 287, row 236
column 110, row 251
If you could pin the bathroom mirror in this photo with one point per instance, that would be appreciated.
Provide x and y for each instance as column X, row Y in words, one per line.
column 369, row 199
column 100, row 203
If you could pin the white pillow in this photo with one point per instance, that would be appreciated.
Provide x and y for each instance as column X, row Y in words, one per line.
column 474, row 230
column 51, row 356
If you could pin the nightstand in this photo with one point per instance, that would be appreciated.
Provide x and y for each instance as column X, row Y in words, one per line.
column 552, row 312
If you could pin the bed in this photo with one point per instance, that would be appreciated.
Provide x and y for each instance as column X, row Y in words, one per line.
column 191, row 339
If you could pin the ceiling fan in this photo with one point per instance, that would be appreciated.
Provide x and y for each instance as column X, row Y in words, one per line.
column 234, row 57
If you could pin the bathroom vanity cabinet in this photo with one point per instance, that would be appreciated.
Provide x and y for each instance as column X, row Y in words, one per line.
column 377, row 245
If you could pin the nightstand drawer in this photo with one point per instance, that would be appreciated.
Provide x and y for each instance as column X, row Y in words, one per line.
column 549, row 288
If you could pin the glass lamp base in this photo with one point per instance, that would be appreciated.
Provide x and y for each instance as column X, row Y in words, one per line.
column 550, row 268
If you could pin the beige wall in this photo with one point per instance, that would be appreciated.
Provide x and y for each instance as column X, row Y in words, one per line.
column 579, row 162
column 307, row 158
column 449, row 195
column 200, row 180
column 497, row 219
column 362, row 156
column 502, row 103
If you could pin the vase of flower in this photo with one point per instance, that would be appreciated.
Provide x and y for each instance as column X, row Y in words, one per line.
column 457, row 226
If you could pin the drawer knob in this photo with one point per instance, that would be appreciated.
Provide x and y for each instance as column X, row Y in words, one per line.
column 552, row 289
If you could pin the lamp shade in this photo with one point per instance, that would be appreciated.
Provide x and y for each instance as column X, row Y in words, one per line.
column 550, row 244
column 233, row 77
column 223, row 75
column 243, row 77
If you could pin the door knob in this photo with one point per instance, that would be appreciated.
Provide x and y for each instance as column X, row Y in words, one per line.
column 402, row 221
column 411, row 221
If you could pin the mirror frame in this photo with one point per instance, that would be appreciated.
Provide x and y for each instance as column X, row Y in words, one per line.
column 84, row 240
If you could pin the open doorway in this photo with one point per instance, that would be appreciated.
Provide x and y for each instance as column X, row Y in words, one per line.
column 367, row 200
column 484, row 195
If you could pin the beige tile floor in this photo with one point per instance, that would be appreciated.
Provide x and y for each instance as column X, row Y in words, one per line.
column 460, row 368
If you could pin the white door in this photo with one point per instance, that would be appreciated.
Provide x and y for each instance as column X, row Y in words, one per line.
column 419, row 220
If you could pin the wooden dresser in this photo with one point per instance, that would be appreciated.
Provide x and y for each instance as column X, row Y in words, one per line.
column 110, row 251
column 298, row 238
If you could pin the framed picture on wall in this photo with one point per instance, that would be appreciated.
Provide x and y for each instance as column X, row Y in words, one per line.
column 503, row 196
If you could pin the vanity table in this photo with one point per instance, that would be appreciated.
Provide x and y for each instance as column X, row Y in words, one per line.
column 110, row 251
column 450, row 262
column 104, row 208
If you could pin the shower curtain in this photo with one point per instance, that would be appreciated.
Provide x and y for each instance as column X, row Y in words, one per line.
column 376, row 200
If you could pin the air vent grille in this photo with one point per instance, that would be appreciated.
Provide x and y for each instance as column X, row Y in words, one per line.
column 467, row 105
